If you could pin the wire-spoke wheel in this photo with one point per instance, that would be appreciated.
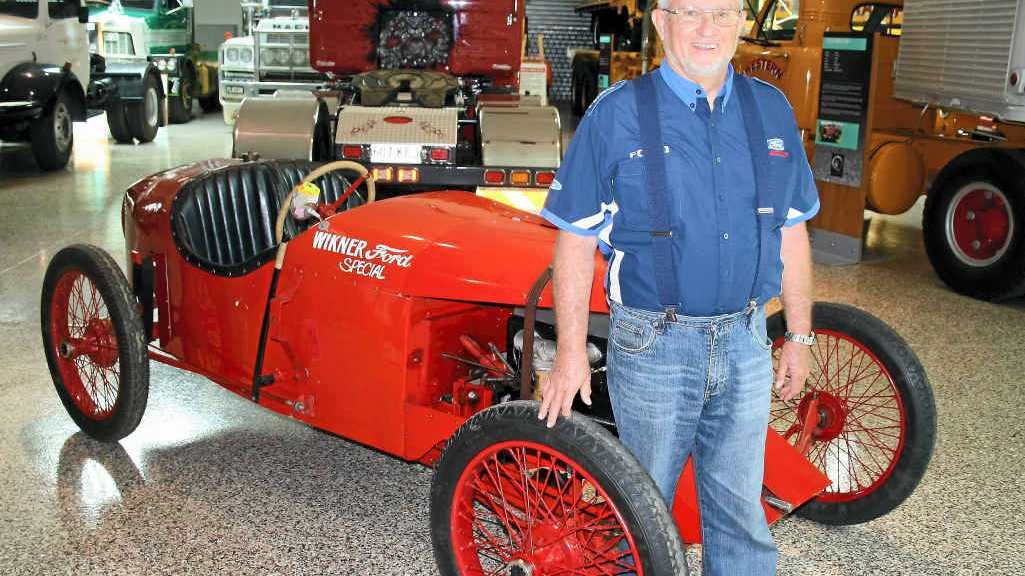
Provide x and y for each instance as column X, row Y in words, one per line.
column 867, row 416
column 93, row 337
column 511, row 497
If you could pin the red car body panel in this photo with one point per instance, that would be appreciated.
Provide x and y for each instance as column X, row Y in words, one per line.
column 366, row 305
column 486, row 35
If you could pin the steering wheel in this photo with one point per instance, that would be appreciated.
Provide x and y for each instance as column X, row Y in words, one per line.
column 286, row 206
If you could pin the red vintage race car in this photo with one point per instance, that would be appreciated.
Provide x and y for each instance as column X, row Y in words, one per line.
column 419, row 325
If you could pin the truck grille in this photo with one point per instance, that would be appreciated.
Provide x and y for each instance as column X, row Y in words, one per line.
column 955, row 51
column 284, row 38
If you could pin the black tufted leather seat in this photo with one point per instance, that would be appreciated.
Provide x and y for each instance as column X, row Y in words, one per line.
column 223, row 221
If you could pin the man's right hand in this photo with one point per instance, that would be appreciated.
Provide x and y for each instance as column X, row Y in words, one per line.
column 572, row 278
column 571, row 374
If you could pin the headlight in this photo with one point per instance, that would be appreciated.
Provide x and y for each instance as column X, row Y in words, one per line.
column 267, row 55
column 231, row 56
column 161, row 65
column 300, row 58
column 172, row 64
column 246, row 55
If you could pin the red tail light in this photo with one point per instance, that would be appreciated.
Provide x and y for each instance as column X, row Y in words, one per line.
column 494, row 176
column 352, row 152
column 439, row 154
column 544, row 178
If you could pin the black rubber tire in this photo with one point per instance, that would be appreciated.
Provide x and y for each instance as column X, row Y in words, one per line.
column 52, row 135
column 577, row 90
column 589, row 86
column 1003, row 278
column 592, row 448
column 123, row 309
column 142, row 125
column 211, row 103
column 915, row 392
column 117, row 121
column 180, row 106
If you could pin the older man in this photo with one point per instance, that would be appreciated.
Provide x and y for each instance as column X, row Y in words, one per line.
column 694, row 183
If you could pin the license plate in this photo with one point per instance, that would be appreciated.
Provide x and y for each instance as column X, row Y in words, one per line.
column 234, row 90
column 395, row 154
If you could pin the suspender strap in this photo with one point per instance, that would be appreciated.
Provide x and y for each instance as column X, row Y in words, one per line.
column 764, row 182
column 659, row 206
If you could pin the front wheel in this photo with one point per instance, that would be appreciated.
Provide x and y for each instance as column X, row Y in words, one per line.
column 94, row 343
column 974, row 230
column 211, row 103
column 181, row 104
column 53, row 135
column 511, row 496
column 875, row 410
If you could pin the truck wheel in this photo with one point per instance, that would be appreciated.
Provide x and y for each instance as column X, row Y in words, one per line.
column 94, row 344
column 117, row 121
column 144, row 117
column 590, row 84
column 974, row 231
column 577, row 91
column 210, row 103
column 511, row 496
column 877, row 415
column 180, row 104
column 53, row 135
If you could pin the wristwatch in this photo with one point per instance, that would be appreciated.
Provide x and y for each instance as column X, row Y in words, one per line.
column 806, row 339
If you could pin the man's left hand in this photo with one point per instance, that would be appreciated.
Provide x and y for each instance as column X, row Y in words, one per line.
column 793, row 370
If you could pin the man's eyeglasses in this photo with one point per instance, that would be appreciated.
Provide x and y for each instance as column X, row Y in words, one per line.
column 689, row 16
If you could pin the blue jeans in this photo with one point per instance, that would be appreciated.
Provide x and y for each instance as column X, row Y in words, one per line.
column 700, row 386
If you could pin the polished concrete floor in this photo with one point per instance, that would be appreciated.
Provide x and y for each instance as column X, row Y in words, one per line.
column 210, row 484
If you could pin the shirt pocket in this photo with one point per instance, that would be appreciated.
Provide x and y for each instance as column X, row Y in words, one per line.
column 630, row 191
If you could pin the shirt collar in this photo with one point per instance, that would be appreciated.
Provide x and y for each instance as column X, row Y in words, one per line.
column 689, row 92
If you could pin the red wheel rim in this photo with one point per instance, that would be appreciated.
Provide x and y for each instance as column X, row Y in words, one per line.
column 863, row 420
column 524, row 509
column 84, row 345
column 979, row 224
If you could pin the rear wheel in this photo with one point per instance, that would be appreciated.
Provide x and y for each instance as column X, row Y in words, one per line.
column 53, row 136
column 144, row 116
column 94, row 344
column 511, row 496
column 117, row 121
column 877, row 417
column 974, row 230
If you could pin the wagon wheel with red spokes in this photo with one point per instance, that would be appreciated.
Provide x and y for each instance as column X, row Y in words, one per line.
column 867, row 416
column 512, row 497
column 93, row 338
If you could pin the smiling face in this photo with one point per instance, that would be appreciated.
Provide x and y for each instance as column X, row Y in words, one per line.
column 700, row 51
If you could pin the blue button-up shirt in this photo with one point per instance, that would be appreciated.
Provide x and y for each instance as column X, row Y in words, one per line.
column 600, row 190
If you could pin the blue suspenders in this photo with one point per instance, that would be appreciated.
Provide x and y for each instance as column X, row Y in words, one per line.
column 659, row 205
column 658, row 196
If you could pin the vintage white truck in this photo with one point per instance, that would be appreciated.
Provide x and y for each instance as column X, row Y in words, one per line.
column 273, row 56
column 49, row 80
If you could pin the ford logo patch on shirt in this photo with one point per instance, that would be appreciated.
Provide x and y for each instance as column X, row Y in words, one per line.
column 776, row 148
